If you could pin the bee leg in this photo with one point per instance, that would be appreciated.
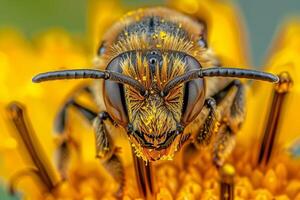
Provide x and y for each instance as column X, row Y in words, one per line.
column 63, row 150
column 230, row 106
column 204, row 133
column 223, row 146
column 105, row 150
column 61, row 117
column 107, row 153
column 207, row 129
column 65, row 140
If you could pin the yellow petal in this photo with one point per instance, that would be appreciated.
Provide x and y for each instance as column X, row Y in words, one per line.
column 102, row 14
column 283, row 58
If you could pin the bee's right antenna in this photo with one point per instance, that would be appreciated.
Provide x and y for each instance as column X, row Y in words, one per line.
column 221, row 72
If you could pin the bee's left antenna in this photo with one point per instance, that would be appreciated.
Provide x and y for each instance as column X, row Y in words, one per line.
column 92, row 74
column 70, row 74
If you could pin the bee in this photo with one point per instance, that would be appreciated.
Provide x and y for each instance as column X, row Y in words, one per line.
column 163, row 86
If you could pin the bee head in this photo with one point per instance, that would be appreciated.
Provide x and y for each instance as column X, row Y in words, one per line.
column 156, row 120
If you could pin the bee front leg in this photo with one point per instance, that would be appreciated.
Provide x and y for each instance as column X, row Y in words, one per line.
column 223, row 146
column 65, row 139
column 208, row 128
column 62, row 115
column 230, row 106
column 208, row 120
column 107, row 152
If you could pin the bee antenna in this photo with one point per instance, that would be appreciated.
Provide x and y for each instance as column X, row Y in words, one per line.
column 220, row 72
column 89, row 73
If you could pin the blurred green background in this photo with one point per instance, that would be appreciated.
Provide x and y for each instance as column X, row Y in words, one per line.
column 31, row 17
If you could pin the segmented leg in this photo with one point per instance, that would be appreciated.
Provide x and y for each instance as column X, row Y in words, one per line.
column 209, row 126
column 230, row 105
column 61, row 117
column 105, row 150
column 107, row 153
column 223, row 146
column 204, row 134
column 223, row 114
column 63, row 150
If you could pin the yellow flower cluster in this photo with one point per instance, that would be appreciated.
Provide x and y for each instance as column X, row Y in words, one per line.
column 19, row 61
column 201, row 180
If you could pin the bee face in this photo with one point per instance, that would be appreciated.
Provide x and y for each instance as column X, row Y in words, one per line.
column 153, row 49
column 156, row 121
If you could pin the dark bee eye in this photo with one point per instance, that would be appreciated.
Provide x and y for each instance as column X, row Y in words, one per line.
column 152, row 61
column 202, row 43
column 114, row 96
column 154, row 58
column 101, row 49
column 194, row 94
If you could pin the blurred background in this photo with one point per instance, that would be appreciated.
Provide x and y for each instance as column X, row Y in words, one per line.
column 31, row 17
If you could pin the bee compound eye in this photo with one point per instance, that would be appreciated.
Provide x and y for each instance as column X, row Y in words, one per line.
column 194, row 97
column 194, row 94
column 114, row 96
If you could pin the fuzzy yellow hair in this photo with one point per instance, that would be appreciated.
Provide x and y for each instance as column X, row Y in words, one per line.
column 162, row 41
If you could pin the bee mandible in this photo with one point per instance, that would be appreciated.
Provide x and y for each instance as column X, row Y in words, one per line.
column 163, row 86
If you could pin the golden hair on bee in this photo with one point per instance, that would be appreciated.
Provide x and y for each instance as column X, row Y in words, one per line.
column 153, row 83
column 183, row 35
column 141, row 72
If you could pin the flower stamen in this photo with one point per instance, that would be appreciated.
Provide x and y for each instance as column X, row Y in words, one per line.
column 17, row 115
column 280, row 91
column 227, row 182
column 20, row 174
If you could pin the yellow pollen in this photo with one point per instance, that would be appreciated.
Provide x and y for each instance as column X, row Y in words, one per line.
column 228, row 169
column 162, row 34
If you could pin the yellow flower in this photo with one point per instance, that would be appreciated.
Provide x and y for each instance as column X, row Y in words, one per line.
column 20, row 59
